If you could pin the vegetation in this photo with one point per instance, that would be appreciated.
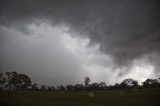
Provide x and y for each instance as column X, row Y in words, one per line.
column 15, row 81
column 127, row 93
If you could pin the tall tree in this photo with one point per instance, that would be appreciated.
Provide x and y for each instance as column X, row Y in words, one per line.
column 86, row 81
column 8, row 80
column 13, row 79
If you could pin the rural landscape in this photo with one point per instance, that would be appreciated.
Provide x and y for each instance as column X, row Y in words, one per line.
column 18, row 90
column 79, row 52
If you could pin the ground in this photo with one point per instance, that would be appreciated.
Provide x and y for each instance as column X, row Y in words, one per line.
column 150, row 97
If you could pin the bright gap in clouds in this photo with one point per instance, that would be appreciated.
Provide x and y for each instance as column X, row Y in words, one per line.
column 100, row 67
column 141, row 73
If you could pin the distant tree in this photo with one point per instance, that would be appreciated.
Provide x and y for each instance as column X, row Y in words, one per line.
column 14, row 79
column 70, row 87
column 21, row 81
column 79, row 87
column 128, row 83
column 17, row 81
column 110, row 87
column 2, row 81
column 86, row 81
column 8, row 74
column 102, row 84
column 152, row 83
column 135, row 83
column 51, row 88
column 61, row 88
column 116, row 86
column 43, row 87
column 34, row 86
column 93, row 86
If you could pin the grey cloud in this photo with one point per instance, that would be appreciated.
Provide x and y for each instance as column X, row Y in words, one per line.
column 44, row 58
column 125, row 29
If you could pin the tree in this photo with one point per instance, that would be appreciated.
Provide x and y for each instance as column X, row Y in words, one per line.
column 78, row 87
column 116, row 86
column 61, row 88
column 34, row 86
column 135, row 83
column 20, row 81
column 70, row 87
column 129, row 83
column 93, row 86
column 153, row 83
column 51, row 88
column 2, row 81
column 43, row 87
column 13, row 79
column 1, row 75
column 102, row 85
column 8, row 74
column 86, row 81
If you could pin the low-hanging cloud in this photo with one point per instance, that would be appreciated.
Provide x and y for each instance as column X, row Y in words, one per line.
column 125, row 29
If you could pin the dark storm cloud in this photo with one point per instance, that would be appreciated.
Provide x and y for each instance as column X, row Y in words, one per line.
column 125, row 29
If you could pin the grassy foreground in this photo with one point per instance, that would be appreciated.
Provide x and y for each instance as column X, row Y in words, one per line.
column 99, row 98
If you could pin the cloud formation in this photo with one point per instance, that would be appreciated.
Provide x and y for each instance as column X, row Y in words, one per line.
column 124, row 29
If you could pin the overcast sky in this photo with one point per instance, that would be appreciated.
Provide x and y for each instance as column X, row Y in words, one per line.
column 62, row 41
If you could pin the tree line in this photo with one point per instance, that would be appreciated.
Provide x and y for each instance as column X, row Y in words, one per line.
column 15, row 81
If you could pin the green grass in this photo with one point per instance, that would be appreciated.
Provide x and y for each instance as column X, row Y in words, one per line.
column 100, row 98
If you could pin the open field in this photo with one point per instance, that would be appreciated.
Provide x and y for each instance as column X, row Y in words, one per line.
column 100, row 98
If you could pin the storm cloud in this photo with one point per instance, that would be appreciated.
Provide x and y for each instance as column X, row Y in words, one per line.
column 126, row 30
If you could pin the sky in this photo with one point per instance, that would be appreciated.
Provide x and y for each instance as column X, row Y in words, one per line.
column 62, row 41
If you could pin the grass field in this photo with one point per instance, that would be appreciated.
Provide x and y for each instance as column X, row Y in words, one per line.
column 99, row 98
